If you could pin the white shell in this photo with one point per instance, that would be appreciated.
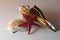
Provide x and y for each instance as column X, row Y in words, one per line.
column 13, row 26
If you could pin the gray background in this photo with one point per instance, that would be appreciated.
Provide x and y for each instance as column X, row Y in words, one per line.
column 9, row 10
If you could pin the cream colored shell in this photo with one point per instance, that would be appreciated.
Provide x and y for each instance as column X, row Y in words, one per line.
column 13, row 25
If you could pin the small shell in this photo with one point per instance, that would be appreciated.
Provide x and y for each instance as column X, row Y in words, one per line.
column 13, row 25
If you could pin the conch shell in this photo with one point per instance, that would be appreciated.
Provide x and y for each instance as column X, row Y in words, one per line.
column 39, row 16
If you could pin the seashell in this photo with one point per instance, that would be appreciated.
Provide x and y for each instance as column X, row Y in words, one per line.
column 13, row 26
